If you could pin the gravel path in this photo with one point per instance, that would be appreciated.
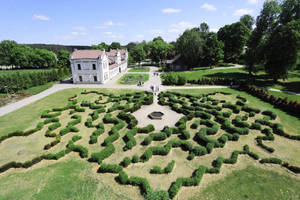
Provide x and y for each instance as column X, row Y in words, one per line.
column 154, row 80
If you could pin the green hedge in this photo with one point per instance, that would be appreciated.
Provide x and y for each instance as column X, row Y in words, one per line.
column 109, row 168
column 105, row 153
column 147, row 129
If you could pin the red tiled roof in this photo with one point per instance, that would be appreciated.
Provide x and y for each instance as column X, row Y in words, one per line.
column 113, row 66
column 112, row 53
column 86, row 54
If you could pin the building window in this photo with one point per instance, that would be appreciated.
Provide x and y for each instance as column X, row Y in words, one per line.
column 80, row 78
column 94, row 66
column 79, row 67
column 95, row 79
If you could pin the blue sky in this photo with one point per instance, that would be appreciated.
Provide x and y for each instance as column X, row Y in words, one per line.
column 86, row 22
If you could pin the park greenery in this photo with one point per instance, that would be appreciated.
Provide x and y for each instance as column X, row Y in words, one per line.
column 23, row 57
column 98, row 127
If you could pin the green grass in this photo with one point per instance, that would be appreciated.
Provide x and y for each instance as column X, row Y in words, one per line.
column 252, row 183
column 38, row 89
column 284, row 95
column 140, row 69
column 29, row 116
column 72, row 179
column 291, row 123
column 260, row 79
column 133, row 79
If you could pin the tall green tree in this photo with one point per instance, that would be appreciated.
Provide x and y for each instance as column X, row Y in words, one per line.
column 138, row 53
column 290, row 10
column 283, row 47
column 63, row 58
column 234, row 37
column 190, row 46
column 204, row 28
column 265, row 24
column 6, row 48
column 158, row 50
column 115, row 45
column 212, row 50
column 248, row 20
column 101, row 46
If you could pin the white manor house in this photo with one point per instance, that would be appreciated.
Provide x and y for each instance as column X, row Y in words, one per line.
column 97, row 66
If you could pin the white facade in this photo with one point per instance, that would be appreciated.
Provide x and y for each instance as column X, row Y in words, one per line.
column 94, row 66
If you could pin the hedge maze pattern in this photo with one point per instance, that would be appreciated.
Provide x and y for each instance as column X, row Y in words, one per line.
column 209, row 117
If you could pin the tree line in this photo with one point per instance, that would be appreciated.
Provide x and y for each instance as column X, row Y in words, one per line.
column 24, row 57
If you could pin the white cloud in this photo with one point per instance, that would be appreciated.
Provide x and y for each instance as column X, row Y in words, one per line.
column 41, row 17
column 75, row 33
column 113, row 35
column 209, row 7
column 253, row 1
column 171, row 10
column 243, row 11
column 79, row 28
column 140, row 36
column 180, row 27
column 109, row 24
column 156, row 31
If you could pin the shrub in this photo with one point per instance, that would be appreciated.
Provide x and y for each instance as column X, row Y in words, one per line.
column 126, row 161
column 249, row 109
column 156, row 170
column 199, row 150
column 270, row 114
column 105, row 153
column 135, row 159
column 191, row 156
column 169, row 168
column 123, row 177
column 109, row 168
column 185, row 135
column 209, row 147
column 255, row 126
column 54, row 126
column 271, row 160
column 147, row 129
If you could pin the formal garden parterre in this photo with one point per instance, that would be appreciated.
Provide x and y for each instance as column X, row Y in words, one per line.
column 100, row 128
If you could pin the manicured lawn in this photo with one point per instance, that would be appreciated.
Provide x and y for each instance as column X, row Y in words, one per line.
column 261, row 79
column 38, row 89
column 71, row 179
column 252, row 183
column 29, row 116
column 139, row 69
column 133, row 79
column 284, row 95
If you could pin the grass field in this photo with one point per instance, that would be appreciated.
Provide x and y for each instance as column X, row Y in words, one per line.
column 290, row 84
column 133, row 79
column 72, row 177
column 140, row 69
column 252, row 183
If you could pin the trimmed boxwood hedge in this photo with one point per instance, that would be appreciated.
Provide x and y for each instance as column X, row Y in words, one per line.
column 105, row 153
column 147, row 129
column 110, row 168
